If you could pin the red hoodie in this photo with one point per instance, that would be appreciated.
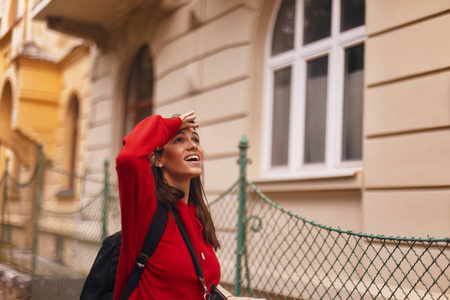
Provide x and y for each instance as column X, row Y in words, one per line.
column 169, row 273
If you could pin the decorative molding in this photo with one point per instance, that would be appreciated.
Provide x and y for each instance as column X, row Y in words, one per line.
column 40, row 58
column 332, row 183
column 87, row 31
column 78, row 52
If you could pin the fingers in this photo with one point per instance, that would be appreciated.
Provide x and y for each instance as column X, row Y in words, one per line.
column 188, row 119
column 187, row 115
column 188, row 125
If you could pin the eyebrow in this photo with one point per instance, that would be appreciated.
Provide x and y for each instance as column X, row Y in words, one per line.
column 182, row 132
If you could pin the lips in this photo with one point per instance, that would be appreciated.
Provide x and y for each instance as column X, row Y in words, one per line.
column 193, row 157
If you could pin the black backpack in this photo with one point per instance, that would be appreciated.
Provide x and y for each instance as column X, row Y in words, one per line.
column 99, row 284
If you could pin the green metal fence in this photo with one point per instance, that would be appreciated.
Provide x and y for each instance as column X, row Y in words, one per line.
column 267, row 252
column 289, row 257
column 281, row 255
column 52, row 226
column 69, row 234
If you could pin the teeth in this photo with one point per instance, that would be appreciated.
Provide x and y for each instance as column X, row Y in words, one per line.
column 192, row 157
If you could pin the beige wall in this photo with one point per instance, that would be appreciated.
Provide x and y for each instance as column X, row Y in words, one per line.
column 209, row 57
column 208, row 69
column 407, row 118
column 192, row 71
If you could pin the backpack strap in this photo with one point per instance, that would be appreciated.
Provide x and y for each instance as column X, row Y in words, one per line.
column 151, row 241
column 195, row 261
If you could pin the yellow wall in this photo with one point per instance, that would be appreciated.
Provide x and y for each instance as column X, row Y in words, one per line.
column 33, row 62
column 4, row 56
column 75, row 82
column 39, row 84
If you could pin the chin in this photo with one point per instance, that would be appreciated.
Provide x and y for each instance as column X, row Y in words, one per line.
column 196, row 174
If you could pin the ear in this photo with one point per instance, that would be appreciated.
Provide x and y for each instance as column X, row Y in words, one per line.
column 153, row 159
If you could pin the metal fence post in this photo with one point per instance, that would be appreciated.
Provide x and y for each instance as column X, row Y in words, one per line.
column 243, row 145
column 105, row 198
column 5, row 196
column 36, row 216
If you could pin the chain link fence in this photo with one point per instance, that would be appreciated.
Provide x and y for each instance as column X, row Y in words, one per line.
column 289, row 257
column 55, row 234
column 14, row 212
column 285, row 256
column 71, row 226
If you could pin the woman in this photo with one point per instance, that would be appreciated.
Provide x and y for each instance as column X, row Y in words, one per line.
column 173, row 148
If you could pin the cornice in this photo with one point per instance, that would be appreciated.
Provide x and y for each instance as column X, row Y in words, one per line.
column 74, row 55
column 93, row 32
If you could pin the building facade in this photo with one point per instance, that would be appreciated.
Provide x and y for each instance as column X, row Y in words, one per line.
column 344, row 103
column 44, row 99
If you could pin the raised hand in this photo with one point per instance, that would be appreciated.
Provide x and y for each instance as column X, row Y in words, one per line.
column 188, row 120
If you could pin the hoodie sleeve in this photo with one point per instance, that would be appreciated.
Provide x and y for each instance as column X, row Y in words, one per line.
column 137, row 188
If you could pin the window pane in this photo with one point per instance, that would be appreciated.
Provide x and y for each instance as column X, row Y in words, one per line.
column 317, row 20
column 316, row 110
column 129, row 122
column 145, row 75
column 281, row 102
column 138, row 101
column 283, row 34
column 353, row 103
column 132, row 87
column 74, row 114
column 143, row 113
column 352, row 14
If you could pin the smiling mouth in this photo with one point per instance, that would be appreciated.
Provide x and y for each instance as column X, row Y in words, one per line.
column 192, row 158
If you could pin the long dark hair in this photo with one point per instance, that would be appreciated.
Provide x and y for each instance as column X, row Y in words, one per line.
column 169, row 197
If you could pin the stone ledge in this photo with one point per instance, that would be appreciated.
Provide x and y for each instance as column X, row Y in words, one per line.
column 14, row 284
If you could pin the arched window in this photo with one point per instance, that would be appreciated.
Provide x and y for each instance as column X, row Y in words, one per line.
column 6, row 108
column 139, row 92
column 5, row 120
column 314, row 88
column 72, row 122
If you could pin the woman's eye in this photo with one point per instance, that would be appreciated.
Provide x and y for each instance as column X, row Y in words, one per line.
column 196, row 140
column 178, row 140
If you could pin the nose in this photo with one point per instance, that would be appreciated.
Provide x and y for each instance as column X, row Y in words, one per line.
column 192, row 146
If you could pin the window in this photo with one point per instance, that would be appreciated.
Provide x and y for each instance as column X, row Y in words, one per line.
column 139, row 94
column 314, row 89
column 59, row 247
column 72, row 140
column 6, row 107
column 70, row 149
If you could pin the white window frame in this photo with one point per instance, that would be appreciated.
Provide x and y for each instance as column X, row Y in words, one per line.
column 333, row 46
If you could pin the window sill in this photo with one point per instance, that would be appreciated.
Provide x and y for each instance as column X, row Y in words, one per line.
column 326, row 181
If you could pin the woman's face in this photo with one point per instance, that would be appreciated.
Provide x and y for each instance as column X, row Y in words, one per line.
column 182, row 157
